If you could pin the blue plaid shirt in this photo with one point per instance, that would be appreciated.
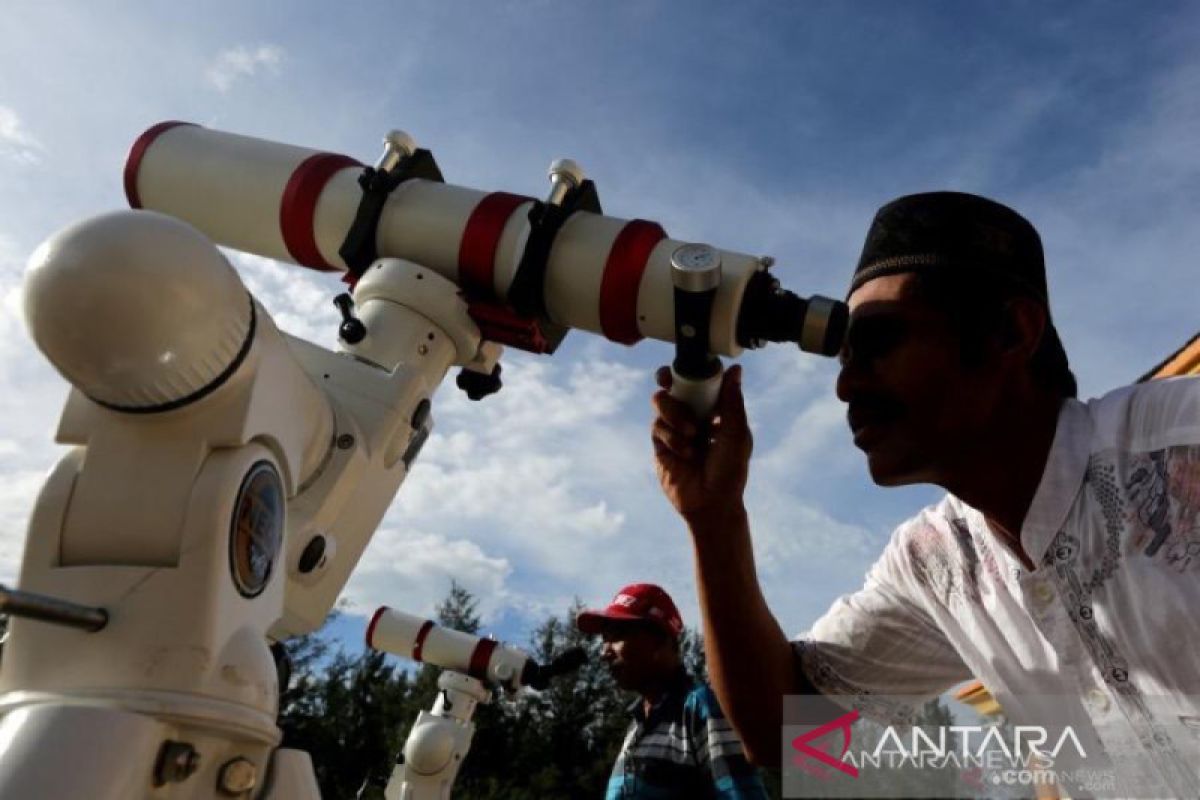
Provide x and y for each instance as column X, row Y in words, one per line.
column 684, row 748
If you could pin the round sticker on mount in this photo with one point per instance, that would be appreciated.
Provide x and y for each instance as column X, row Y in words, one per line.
column 256, row 531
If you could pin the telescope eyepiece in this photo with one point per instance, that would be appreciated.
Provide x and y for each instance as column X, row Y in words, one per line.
column 770, row 313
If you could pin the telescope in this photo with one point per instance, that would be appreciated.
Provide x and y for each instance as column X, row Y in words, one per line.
column 558, row 264
column 224, row 477
column 440, row 738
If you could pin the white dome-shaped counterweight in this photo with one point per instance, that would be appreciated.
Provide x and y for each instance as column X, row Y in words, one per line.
column 138, row 310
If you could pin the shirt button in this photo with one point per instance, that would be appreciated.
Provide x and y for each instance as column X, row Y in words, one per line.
column 1098, row 700
column 1042, row 593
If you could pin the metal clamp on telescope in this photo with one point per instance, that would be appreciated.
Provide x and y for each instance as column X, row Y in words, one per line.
column 570, row 192
column 402, row 160
column 524, row 321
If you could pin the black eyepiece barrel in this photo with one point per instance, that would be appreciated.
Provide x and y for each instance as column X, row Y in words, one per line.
column 770, row 313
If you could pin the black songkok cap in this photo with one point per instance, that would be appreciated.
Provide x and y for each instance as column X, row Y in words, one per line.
column 954, row 231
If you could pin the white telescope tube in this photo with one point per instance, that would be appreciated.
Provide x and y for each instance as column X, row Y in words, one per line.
column 422, row 639
column 605, row 275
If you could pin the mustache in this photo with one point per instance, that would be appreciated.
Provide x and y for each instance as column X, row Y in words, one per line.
column 872, row 409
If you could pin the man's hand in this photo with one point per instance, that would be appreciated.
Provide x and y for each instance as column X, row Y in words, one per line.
column 702, row 464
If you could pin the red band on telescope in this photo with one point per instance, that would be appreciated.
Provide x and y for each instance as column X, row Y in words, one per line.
column 374, row 621
column 419, row 642
column 299, row 206
column 481, row 238
column 480, row 658
column 623, row 277
column 133, row 162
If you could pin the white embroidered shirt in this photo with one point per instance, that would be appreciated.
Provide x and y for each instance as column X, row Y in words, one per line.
column 1106, row 629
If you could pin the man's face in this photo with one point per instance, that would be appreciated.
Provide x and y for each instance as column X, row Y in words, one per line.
column 635, row 654
column 914, row 408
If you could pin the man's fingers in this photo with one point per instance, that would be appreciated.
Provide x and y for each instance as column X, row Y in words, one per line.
column 663, row 377
column 731, row 407
column 677, row 413
column 668, row 459
column 673, row 439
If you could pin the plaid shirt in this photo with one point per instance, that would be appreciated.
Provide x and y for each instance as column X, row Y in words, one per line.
column 684, row 748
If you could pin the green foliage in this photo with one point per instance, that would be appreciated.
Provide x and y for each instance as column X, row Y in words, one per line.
column 352, row 714
column 344, row 711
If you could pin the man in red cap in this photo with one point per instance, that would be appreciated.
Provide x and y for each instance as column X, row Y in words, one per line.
column 1064, row 559
column 679, row 744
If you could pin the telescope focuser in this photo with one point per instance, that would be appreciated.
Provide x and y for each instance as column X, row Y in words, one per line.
column 696, row 372
column 771, row 313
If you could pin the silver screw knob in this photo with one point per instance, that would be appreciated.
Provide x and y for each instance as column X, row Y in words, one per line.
column 696, row 268
column 565, row 175
column 397, row 145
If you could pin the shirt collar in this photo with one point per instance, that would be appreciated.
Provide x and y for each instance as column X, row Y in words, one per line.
column 672, row 695
column 1066, row 465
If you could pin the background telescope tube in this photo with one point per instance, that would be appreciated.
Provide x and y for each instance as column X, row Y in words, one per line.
column 423, row 640
column 605, row 275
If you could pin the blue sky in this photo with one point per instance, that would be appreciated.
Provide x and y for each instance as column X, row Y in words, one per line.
column 772, row 128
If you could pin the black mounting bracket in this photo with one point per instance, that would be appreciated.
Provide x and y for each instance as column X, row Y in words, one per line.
column 358, row 249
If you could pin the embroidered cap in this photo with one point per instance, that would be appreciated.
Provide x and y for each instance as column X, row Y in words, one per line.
column 638, row 602
column 953, row 231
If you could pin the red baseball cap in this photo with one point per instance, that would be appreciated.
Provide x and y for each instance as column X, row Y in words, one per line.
column 638, row 602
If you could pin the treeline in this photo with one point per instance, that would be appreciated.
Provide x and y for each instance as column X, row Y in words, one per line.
column 352, row 713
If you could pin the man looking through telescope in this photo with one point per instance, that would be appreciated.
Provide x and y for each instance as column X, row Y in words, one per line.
column 1054, row 566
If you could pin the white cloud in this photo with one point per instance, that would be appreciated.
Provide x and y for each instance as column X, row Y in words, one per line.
column 300, row 300
column 536, row 466
column 31, row 393
column 12, row 312
column 410, row 570
column 231, row 66
column 18, row 491
column 16, row 143
column 791, row 534
column 812, row 437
